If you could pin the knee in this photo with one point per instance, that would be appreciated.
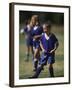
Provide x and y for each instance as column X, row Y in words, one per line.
column 36, row 53
column 50, row 65
column 40, row 66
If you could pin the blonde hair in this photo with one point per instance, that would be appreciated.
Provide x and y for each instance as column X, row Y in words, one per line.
column 36, row 18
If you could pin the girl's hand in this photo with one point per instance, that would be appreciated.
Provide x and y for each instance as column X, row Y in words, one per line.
column 53, row 50
column 35, row 37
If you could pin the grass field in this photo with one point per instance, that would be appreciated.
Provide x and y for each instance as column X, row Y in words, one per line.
column 26, row 68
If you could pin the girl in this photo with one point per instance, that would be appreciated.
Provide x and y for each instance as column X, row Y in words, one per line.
column 37, row 31
column 29, row 39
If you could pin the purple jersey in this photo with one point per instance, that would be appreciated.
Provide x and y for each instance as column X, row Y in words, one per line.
column 27, row 31
column 48, row 42
column 37, row 30
column 29, row 39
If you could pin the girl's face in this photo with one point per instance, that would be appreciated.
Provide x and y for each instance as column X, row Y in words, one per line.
column 33, row 21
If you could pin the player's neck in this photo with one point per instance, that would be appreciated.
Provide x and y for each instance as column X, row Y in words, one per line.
column 48, row 33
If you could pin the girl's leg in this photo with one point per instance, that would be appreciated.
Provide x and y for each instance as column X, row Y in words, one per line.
column 38, row 71
column 27, row 53
column 36, row 56
column 32, row 51
column 51, row 71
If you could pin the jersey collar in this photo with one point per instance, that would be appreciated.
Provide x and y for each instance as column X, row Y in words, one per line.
column 46, row 36
column 35, row 27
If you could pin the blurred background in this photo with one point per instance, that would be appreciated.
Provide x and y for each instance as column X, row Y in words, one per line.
column 57, row 20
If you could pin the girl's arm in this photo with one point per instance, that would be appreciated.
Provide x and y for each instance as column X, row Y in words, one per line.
column 56, row 46
column 42, row 47
column 37, row 36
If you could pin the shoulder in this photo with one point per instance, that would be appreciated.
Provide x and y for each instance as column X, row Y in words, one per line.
column 40, row 27
column 43, row 35
column 37, row 29
column 53, row 35
column 25, row 28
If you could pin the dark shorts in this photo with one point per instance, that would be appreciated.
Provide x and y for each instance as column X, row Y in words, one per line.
column 36, row 44
column 29, row 42
column 50, row 58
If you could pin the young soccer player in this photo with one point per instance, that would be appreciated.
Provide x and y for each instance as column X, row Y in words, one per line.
column 49, row 44
column 36, row 33
column 29, row 39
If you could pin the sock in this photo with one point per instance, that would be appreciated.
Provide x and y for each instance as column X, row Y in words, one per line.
column 37, row 73
column 27, row 57
column 35, row 64
column 51, row 71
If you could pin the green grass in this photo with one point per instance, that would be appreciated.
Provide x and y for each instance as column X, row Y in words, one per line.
column 26, row 68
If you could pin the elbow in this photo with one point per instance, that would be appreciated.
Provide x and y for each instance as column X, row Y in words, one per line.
column 57, row 44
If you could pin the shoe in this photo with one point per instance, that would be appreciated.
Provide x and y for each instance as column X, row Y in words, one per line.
column 32, row 77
